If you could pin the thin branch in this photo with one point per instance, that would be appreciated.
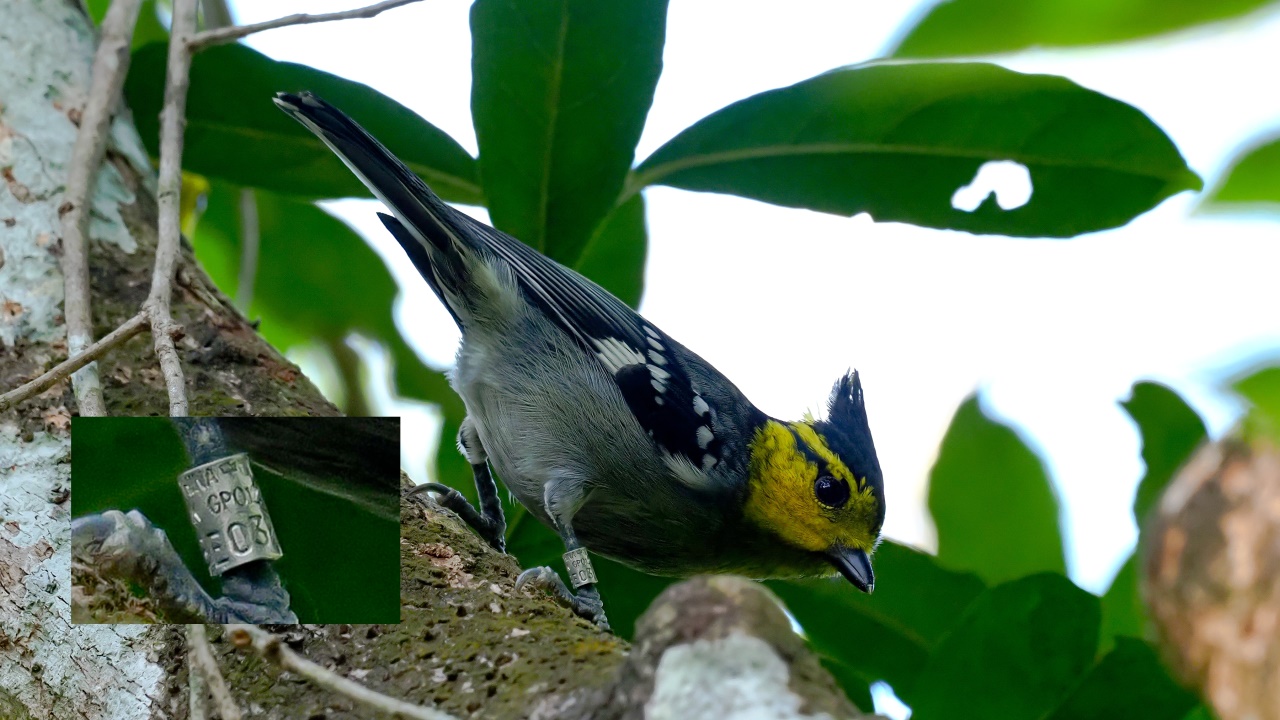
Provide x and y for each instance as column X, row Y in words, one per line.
column 218, row 36
column 131, row 327
column 172, row 122
column 110, row 65
column 272, row 649
column 201, row 655
column 196, row 692
column 250, row 239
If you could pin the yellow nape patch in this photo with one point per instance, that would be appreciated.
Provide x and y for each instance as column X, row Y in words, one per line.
column 782, row 500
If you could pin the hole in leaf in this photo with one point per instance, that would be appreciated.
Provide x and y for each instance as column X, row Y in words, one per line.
column 1010, row 181
column 887, row 702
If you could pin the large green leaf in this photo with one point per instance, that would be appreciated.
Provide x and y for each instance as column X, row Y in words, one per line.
column 559, row 94
column 1017, row 653
column 889, row 634
column 615, row 256
column 991, row 500
column 235, row 132
column 898, row 140
column 983, row 27
column 1123, row 612
column 1129, row 682
column 1253, row 178
column 856, row 686
column 148, row 28
column 316, row 279
column 1262, row 390
column 1171, row 430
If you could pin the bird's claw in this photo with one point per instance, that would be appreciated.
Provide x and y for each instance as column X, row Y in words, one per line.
column 586, row 603
column 449, row 498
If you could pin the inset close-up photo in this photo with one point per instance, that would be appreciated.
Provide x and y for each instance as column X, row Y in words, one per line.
column 258, row 520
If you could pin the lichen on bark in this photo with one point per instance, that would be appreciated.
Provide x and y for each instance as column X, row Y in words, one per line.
column 469, row 644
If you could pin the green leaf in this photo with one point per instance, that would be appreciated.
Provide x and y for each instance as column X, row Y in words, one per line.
column 615, row 256
column 316, row 279
column 1123, row 612
column 992, row 502
column 1200, row 712
column 1253, row 178
column 148, row 28
column 235, row 132
column 1129, row 682
column 984, row 27
column 1019, row 650
column 559, row 94
column 889, row 634
column 1262, row 390
column 1170, row 430
column 856, row 686
column 898, row 140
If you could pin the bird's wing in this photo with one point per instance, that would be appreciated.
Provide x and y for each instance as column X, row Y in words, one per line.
column 651, row 371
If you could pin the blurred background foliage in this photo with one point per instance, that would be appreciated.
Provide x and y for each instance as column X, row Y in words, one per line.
column 341, row 560
column 988, row 627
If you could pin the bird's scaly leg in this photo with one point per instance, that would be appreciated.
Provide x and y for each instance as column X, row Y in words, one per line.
column 488, row 521
column 563, row 495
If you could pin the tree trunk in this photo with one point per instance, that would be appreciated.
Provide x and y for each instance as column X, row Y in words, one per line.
column 1212, row 575
column 48, row 667
column 467, row 642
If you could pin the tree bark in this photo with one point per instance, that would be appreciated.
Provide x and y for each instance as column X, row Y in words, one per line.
column 467, row 642
column 1212, row 576
column 470, row 645
column 48, row 667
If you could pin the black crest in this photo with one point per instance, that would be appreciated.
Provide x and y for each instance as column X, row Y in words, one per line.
column 848, row 433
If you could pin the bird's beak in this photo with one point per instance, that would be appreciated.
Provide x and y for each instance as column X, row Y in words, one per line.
column 855, row 566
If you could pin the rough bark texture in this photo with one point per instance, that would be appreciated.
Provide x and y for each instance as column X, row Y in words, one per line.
column 472, row 646
column 717, row 647
column 1212, row 577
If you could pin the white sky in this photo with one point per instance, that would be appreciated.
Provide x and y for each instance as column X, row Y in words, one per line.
column 1053, row 332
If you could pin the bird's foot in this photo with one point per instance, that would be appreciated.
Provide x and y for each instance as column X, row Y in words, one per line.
column 586, row 601
column 491, row 530
column 129, row 547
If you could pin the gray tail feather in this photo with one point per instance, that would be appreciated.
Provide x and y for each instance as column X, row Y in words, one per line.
column 434, row 235
column 423, row 260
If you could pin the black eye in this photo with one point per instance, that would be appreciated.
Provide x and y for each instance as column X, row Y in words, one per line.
column 832, row 492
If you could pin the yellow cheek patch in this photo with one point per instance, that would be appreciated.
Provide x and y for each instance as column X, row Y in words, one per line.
column 781, row 496
column 779, row 476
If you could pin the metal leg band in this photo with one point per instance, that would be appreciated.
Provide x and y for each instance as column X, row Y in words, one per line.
column 228, row 514
column 579, row 566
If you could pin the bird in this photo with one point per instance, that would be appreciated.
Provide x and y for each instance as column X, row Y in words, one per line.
column 606, row 429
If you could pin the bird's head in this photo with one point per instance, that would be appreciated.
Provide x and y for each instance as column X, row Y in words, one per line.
column 816, row 484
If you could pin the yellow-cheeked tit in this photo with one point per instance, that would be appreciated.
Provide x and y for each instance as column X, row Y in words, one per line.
column 604, row 427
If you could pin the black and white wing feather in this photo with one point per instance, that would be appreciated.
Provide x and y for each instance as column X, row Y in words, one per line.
column 687, row 407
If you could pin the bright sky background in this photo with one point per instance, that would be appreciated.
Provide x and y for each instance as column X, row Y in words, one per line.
column 1053, row 333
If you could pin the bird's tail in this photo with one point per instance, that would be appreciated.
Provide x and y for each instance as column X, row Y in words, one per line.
column 442, row 242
